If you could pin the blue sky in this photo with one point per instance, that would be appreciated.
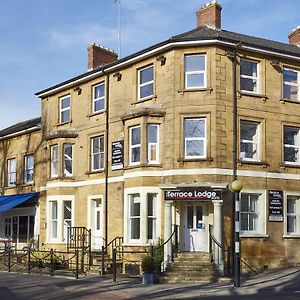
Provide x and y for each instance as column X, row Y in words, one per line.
column 44, row 42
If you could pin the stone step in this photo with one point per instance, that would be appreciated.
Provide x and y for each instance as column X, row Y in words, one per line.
column 187, row 279
column 182, row 268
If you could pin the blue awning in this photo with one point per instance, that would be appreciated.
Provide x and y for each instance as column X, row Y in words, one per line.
column 8, row 202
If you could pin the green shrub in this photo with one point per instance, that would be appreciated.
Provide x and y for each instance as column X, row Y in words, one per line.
column 147, row 264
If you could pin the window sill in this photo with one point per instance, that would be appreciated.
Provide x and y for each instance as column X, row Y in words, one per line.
column 65, row 178
column 153, row 97
column 27, row 184
column 10, row 187
column 209, row 159
column 254, row 235
column 291, row 165
column 63, row 123
column 295, row 236
column 283, row 101
column 94, row 172
column 205, row 89
column 252, row 162
column 97, row 113
column 143, row 166
column 263, row 98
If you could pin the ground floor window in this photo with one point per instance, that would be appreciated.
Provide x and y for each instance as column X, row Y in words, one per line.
column 60, row 218
column 292, row 224
column 142, row 216
column 252, row 213
column 19, row 228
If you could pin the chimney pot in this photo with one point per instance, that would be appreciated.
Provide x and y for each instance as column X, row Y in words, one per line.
column 210, row 15
column 294, row 37
column 99, row 55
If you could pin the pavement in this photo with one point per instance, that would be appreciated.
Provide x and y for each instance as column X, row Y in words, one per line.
column 271, row 284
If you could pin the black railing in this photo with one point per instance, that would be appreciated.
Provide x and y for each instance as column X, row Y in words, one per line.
column 218, row 252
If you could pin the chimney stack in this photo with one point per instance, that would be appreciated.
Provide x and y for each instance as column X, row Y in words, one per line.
column 210, row 15
column 294, row 37
column 98, row 56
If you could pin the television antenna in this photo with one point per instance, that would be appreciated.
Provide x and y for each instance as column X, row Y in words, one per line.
column 119, row 27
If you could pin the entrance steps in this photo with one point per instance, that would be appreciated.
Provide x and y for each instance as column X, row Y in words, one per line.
column 96, row 268
column 191, row 267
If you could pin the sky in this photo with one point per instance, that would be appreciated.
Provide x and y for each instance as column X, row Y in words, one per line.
column 44, row 42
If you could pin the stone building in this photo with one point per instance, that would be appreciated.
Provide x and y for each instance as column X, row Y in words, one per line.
column 139, row 144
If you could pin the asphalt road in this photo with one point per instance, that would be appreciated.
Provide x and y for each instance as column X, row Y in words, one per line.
column 273, row 285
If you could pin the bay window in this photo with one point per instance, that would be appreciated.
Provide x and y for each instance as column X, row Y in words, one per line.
column 153, row 143
column 67, row 160
column 135, row 145
column 54, row 161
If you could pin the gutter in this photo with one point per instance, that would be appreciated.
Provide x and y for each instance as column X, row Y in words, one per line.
column 36, row 128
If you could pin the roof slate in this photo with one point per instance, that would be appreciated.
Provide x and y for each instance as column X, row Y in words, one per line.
column 200, row 33
column 28, row 124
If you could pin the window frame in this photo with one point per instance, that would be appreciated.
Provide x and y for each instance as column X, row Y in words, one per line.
column 63, row 110
column 54, row 162
column 131, row 146
column 253, row 78
column 11, row 172
column 29, row 170
column 101, row 98
column 188, row 73
column 295, row 214
column 65, row 159
column 291, row 84
column 295, row 146
column 100, row 153
column 151, row 144
column 256, row 142
column 261, row 213
column 187, row 139
column 150, row 82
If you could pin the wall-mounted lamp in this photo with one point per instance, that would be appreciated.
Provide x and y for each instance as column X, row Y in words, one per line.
column 162, row 59
column 118, row 76
column 78, row 89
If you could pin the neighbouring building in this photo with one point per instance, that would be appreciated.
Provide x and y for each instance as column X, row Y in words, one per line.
column 139, row 144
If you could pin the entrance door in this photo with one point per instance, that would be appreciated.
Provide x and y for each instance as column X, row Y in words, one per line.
column 195, row 233
column 98, row 233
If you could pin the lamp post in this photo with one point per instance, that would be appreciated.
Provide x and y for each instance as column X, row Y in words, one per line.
column 236, row 187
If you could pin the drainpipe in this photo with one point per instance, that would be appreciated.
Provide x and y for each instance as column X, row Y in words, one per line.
column 106, row 158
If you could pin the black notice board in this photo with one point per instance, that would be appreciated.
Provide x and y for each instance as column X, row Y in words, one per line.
column 275, row 206
column 117, row 158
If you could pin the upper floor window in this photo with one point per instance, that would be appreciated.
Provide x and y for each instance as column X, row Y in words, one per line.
column 153, row 143
column 292, row 219
column 249, row 140
column 28, row 168
column 135, row 145
column 252, row 213
column 65, row 109
column 97, row 155
column 249, row 76
column 291, row 145
column 195, row 71
column 291, row 84
column 54, row 161
column 145, row 82
column 68, row 160
column 11, row 172
column 195, row 138
column 98, row 97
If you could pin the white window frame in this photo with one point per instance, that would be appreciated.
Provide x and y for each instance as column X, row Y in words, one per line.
column 28, row 169
column 253, row 78
column 100, row 154
column 295, row 146
column 287, row 234
column 67, row 158
column 297, row 85
column 188, row 73
column 261, row 230
column 12, row 172
column 256, row 142
column 99, row 99
column 135, row 146
column 141, row 85
column 187, row 139
column 143, row 192
column 60, row 200
column 62, row 110
column 150, row 145
column 54, row 161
